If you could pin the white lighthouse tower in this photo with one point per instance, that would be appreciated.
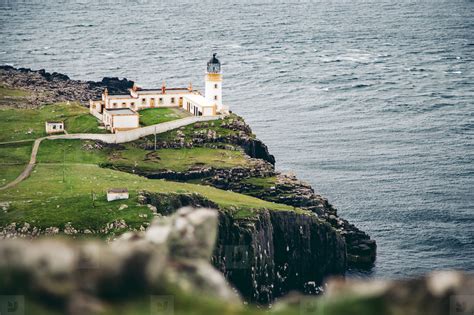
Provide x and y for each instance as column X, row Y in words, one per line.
column 213, row 92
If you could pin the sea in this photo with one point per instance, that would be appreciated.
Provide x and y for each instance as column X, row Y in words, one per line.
column 371, row 102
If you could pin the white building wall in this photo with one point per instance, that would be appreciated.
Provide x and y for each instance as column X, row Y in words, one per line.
column 160, row 100
column 211, row 92
column 125, row 121
column 195, row 108
column 122, row 103
column 117, row 196
column 207, row 111
column 54, row 127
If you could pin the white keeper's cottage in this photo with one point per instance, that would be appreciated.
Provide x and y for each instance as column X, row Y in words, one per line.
column 119, row 112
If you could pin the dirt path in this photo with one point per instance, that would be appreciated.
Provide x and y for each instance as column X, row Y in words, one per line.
column 29, row 167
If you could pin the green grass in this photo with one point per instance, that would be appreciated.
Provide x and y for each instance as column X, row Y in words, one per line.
column 179, row 159
column 44, row 199
column 84, row 123
column 128, row 156
column 71, row 151
column 152, row 116
column 13, row 159
column 216, row 125
column 20, row 124
column 261, row 182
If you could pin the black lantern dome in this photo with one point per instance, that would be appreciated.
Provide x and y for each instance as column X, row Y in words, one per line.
column 214, row 65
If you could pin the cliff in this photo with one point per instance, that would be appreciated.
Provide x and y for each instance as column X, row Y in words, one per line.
column 278, row 252
column 269, row 254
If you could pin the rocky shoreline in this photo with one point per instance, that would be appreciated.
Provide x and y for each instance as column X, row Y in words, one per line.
column 47, row 88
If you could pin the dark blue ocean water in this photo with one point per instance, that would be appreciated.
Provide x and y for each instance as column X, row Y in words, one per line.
column 372, row 102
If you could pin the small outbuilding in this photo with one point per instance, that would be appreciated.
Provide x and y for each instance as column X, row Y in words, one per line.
column 117, row 194
column 120, row 119
column 54, row 126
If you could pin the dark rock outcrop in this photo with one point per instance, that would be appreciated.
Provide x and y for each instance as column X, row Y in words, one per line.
column 361, row 249
column 167, row 204
column 257, row 149
column 255, row 168
column 277, row 252
column 48, row 88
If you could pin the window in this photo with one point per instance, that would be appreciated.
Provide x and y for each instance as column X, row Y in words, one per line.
column 215, row 97
column 172, row 100
column 160, row 100
column 215, row 86
column 124, row 104
column 132, row 103
column 115, row 104
column 143, row 100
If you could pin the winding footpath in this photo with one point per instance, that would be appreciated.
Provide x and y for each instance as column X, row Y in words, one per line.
column 29, row 167
column 119, row 137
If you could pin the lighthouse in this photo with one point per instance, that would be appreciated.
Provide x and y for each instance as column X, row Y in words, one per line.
column 213, row 91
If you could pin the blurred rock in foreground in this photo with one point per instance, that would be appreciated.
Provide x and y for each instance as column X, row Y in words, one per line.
column 439, row 293
column 78, row 277
column 166, row 271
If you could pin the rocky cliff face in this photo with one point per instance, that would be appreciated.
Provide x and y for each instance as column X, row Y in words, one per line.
column 287, row 189
column 277, row 252
column 271, row 253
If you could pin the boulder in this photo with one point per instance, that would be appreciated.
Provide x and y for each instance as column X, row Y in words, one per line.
column 172, row 254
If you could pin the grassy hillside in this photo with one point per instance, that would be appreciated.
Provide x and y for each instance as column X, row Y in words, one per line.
column 56, row 194
column 13, row 159
column 20, row 124
column 84, row 151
